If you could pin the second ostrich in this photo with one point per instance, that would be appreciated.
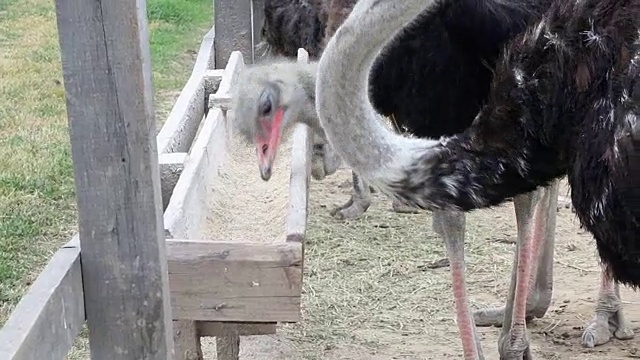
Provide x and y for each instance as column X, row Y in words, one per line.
column 563, row 101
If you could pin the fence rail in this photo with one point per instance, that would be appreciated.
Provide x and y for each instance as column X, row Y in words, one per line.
column 129, row 280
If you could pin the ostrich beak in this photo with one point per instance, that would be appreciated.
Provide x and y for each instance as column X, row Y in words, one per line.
column 267, row 142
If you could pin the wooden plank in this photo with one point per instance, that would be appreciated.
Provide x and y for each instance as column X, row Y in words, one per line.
column 240, row 329
column 257, row 22
column 184, row 215
column 181, row 126
column 297, row 212
column 296, row 221
column 187, row 340
column 171, row 167
column 212, row 80
column 233, row 281
column 107, row 77
column 233, row 29
column 228, row 347
column 47, row 320
column 222, row 97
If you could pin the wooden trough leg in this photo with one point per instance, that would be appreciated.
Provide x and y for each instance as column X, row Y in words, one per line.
column 228, row 335
column 228, row 347
column 187, row 340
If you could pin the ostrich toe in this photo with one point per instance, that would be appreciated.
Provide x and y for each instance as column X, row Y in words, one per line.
column 402, row 208
column 608, row 322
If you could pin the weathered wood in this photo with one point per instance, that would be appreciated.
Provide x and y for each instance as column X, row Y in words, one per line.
column 47, row 320
column 228, row 347
column 233, row 281
column 179, row 130
column 107, row 77
column 187, row 340
column 241, row 329
column 296, row 221
column 222, row 97
column 212, row 80
column 258, row 21
column 233, row 29
column 171, row 166
column 184, row 215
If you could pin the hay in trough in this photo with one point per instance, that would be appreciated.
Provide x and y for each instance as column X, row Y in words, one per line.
column 243, row 207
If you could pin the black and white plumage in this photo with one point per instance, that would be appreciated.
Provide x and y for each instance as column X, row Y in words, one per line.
column 563, row 101
column 293, row 24
column 455, row 48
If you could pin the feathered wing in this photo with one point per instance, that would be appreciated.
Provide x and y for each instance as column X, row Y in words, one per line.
column 605, row 183
column 525, row 136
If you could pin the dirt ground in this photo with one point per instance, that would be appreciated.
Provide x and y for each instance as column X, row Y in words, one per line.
column 368, row 294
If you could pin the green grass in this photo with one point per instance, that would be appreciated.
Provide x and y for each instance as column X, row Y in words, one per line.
column 37, row 195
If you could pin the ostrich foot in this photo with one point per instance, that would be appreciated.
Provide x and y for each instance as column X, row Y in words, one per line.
column 402, row 208
column 324, row 161
column 604, row 327
column 359, row 202
column 537, row 305
column 514, row 345
column 352, row 209
column 538, row 299
column 609, row 320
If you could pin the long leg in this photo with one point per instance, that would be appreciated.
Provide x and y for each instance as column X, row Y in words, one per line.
column 608, row 320
column 541, row 285
column 324, row 161
column 358, row 203
column 531, row 211
column 451, row 226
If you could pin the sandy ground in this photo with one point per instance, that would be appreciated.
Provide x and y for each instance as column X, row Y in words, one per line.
column 368, row 294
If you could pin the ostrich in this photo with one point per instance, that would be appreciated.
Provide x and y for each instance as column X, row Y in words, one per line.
column 462, row 46
column 283, row 92
column 563, row 101
column 292, row 24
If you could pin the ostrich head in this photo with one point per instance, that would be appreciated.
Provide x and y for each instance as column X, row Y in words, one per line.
column 269, row 100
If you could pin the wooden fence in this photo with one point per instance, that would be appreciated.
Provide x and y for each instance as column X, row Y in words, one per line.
column 138, row 287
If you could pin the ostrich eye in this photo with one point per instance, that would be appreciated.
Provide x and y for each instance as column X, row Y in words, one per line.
column 265, row 105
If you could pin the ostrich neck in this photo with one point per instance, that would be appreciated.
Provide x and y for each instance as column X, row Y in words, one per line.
column 349, row 120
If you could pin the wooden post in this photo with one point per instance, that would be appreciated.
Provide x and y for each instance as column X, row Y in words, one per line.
column 258, row 19
column 235, row 29
column 228, row 346
column 107, row 78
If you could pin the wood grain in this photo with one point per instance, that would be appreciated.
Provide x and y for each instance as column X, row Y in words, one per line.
column 234, row 281
column 107, row 77
column 222, row 97
column 300, row 174
column 185, row 214
column 181, row 126
column 171, row 166
column 50, row 315
column 233, row 29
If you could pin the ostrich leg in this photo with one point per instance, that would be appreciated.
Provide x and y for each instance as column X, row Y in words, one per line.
column 609, row 320
column 451, row 226
column 358, row 203
column 541, row 285
column 402, row 208
column 531, row 212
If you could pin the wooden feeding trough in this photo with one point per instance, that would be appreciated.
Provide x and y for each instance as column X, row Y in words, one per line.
column 223, row 280
column 240, row 272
